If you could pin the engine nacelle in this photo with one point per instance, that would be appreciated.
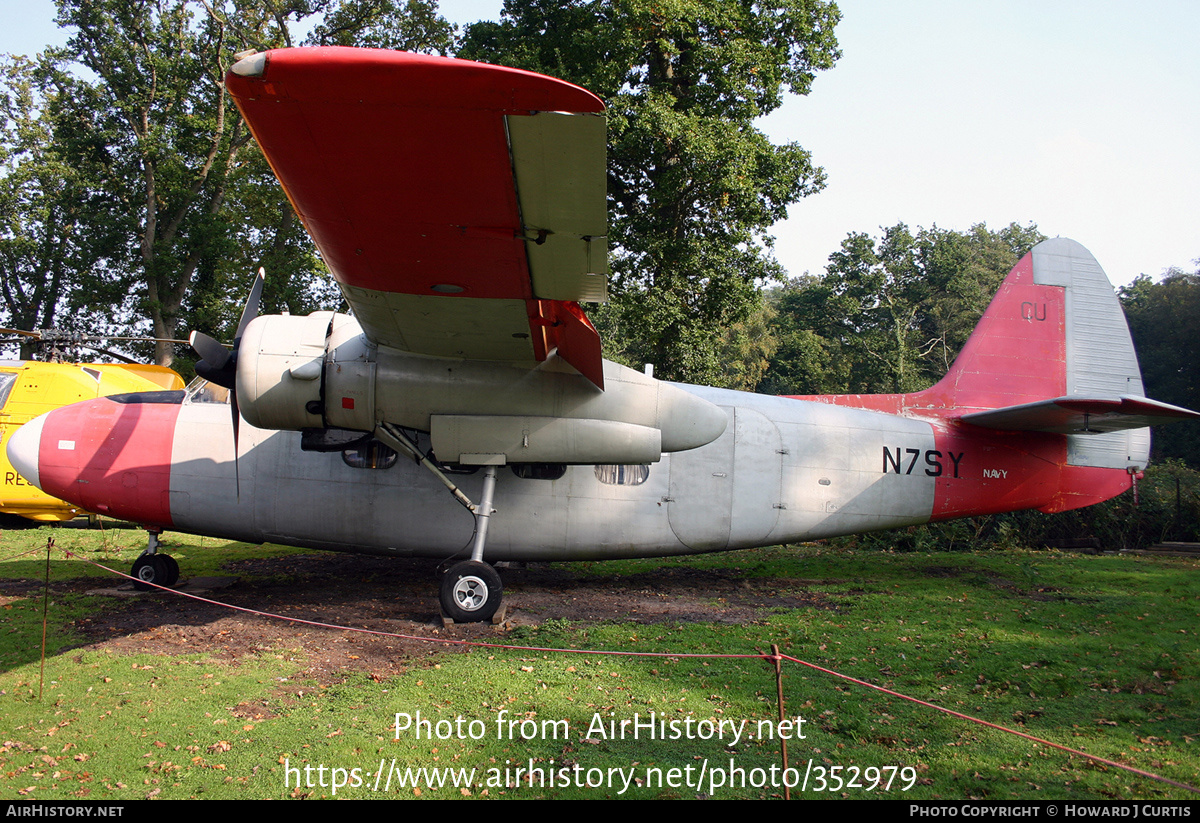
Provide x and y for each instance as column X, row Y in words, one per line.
column 293, row 375
column 321, row 372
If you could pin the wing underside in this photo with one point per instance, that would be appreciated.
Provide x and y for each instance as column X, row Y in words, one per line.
column 460, row 206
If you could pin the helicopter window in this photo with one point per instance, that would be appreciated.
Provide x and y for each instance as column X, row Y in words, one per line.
column 201, row 391
column 623, row 475
column 370, row 455
column 8, row 379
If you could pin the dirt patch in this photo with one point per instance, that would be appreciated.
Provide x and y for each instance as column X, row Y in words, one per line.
column 399, row 597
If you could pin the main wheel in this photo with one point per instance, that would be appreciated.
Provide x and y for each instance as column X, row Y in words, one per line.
column 150, row 568
column 471, row 592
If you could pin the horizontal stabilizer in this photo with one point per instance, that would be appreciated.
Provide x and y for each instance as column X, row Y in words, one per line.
column 1081, row 415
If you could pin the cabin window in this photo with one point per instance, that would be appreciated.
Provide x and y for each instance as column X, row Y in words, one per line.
column 8, row 379
column 623, row 475
column 370, row 455
column 539, row 471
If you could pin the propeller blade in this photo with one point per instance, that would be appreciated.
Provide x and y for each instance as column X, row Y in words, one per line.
column 251, row 309
column 216, row 363
column 219, row 365
column 237, row 419
column 211, row 351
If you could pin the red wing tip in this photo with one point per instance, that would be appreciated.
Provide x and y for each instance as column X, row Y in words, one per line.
column 374, row 66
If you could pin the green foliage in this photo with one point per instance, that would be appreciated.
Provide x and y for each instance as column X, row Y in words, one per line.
column 406, row 25
column 746, row 348
column 890, row 315
column 148, row 161
column 54, row 255
column 159, row 114
column 693, row 186
column 1164, row 320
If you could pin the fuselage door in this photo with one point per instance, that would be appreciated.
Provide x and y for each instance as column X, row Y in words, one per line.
column 701, row 497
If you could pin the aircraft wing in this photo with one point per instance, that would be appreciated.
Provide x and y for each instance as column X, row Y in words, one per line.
column 460, row 206
column 1081, row 415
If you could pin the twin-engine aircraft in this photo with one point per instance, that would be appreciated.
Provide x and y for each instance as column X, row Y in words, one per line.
column 465, row 411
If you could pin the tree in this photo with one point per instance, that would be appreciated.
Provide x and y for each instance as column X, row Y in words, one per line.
column 407, row 25
column 1164, row 321
column 160, row 122
column 193, row 189
column 693, row 186
column 48, row 252
column 746, row 349
column 890, row 315
column 803, row 362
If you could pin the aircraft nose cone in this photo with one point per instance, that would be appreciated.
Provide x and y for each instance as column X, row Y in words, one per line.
column 23, row 449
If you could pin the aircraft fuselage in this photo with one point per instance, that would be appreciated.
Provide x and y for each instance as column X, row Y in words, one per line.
column 784, row 470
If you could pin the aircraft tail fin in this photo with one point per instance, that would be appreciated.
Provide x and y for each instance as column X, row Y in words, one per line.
column 1053, row 353
column 1054, row 329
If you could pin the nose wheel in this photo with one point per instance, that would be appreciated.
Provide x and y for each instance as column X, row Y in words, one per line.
column 156, row 569
column 153, row 568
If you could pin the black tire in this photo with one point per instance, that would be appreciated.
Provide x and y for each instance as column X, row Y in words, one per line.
column 147, row 569
column 172, row 569
column 471, row 592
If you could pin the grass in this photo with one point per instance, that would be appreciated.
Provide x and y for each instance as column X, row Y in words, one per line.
column 1095, row 653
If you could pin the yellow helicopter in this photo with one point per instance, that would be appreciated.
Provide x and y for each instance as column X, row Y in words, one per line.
column 29, row 388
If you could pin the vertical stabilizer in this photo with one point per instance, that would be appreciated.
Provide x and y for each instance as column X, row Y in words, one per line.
column 1100, row 360
column 1055, row 329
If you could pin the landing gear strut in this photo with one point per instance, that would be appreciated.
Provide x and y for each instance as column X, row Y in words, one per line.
column 154, row 568
column 471, row 591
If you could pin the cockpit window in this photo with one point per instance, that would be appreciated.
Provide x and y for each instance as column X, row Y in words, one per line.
column 8, row 379
column 201, row 391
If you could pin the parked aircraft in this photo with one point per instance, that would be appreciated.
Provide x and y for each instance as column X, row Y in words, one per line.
column 29, row 388
column 465, row 410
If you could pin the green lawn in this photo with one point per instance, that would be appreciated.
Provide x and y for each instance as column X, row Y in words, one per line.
column 1096, row 653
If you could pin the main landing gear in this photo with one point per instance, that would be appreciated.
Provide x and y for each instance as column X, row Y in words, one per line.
column 471, row 591
column 154, row 568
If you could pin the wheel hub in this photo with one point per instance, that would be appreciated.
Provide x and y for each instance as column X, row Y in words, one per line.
column 470, row 593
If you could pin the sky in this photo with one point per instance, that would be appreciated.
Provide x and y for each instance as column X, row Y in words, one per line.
column 1080, row 117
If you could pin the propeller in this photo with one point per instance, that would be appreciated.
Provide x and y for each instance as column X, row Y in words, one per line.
column 218, row 364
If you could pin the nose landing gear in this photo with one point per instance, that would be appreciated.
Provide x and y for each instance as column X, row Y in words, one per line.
column 151, row 567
